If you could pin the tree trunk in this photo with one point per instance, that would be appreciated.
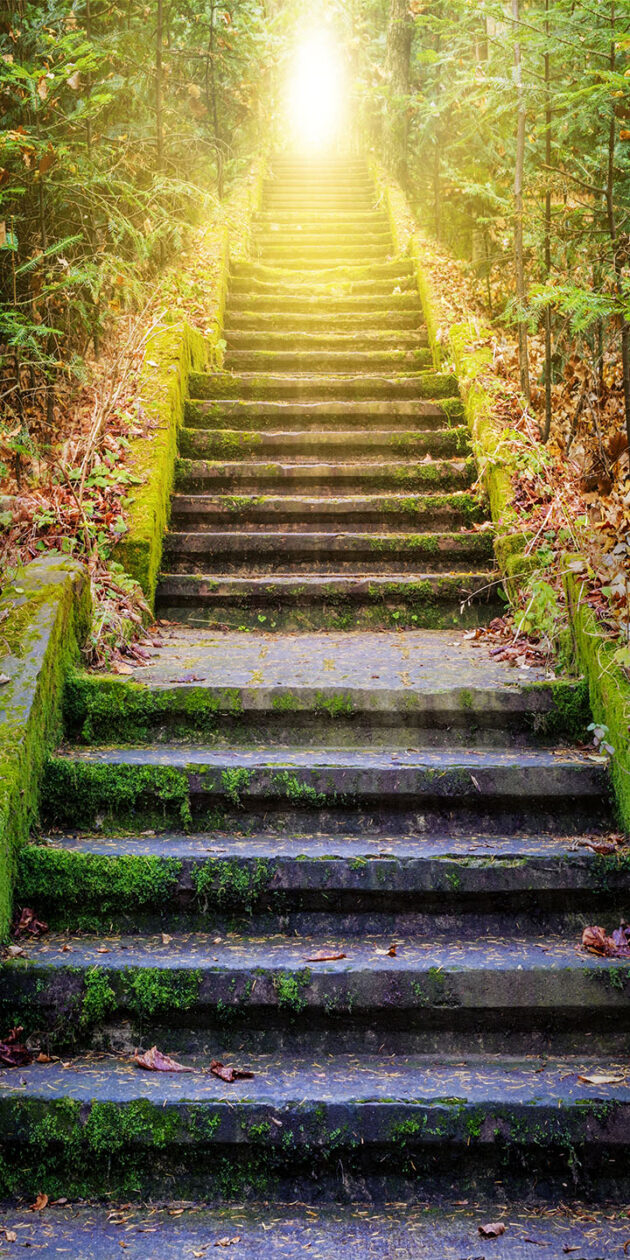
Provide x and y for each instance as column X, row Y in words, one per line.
column 547, row 425
column 614, row 239
column 399, row 36
column 519, row 263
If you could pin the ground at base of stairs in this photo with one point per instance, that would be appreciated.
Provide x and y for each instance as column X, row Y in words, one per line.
column 395, row 1232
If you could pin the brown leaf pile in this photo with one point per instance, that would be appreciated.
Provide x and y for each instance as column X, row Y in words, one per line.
column 596, row 941
column 12, row 1052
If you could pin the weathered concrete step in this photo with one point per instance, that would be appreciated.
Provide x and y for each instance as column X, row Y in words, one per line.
column 396, row 415
column 322, row 278
column 365, row 323
column 346, row 300
column 322, row 223
column 355, row 886
column 341, row 181
column 223, row 443
column 299, row 338
column 129, row 785
column 326, row 478
column 352, row 360
column 328, row 1232
column 115, row 991
column 314, row 388
column 300, row 1124
column 307, row 551
column 314, row 602
column 225, row 685
column 323, row 200
column 419, row 511
column 296, row 255
column 298, row 237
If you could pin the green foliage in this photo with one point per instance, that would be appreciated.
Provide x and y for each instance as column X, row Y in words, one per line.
column 115, row 134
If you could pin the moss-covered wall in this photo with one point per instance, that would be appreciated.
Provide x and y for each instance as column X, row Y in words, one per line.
column 172, row 352
column 44, row 616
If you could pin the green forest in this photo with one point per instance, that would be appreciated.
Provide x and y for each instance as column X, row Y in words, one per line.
column 126, row 125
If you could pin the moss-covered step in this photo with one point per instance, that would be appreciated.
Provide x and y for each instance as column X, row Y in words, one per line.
column 174, row 783
column 224, row 443
column 402, row 414
column 349, row 477
column 326, row 688
column 337, row 299
column 333, row 236
column 305, row 551
column 313, row 602
column 332, row 253
column 235, row 385
column 321, row 221
column 319, row 884
column 336, row 360
column 386, row 513
column 196, row 989
column 315, row 323
column 301, row 1128
column 324, row 281
column 298, row 338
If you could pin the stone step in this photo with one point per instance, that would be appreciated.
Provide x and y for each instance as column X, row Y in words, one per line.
column 322, row 338
column 295, row 255
column 321, row 602
column 123, row 990
column 327, row 1231
column 322, row 199
column 318, row 387
column 385, row 512
column 321, row 885
column 132, row 786
column 294, row 181
column 315, row 445
column 297, row 237
column 428, row 687
column 308, row 552
column 351, row 360
column 368, row 324
column 259, row 414
column 342, row 1127
column 196, row 476
column 320, row 276
column 325, row 304
column 322, row 222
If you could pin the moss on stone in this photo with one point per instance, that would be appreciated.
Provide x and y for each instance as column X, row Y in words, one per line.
column 65, row 884
column 83, row 793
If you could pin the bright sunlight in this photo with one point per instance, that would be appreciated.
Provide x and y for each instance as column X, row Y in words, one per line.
column 316, row 92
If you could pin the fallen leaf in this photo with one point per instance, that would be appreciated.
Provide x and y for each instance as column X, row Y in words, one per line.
column 9, row 1234
column 227, row 1242
column 392, row 951
column 602, row 1078
column 30, row 924
column 493, row 1230
column 15, row 951
column 166, row 939
column 40, row 1203
column 12, row 1052
column 120, row 667
column 43, row 1058
column 567, row 1249
column 4, row 678
column 154, row 1061
column 325, row 957
column 229, row 1074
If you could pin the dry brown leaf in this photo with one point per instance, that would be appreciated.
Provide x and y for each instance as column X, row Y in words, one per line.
column 225, row 1072
column 154, row 1061
column 603, row 1078
column 494, row 1230
column 40, row 1203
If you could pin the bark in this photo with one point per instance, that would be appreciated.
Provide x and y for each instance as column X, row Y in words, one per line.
column 614, row 239
column 519, row 262
column 399, row 37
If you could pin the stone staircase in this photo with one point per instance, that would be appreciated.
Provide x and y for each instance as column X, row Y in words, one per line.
column 325, row 478
column 355, row 860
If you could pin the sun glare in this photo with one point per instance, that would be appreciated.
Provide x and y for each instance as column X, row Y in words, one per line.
column 315, row 96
